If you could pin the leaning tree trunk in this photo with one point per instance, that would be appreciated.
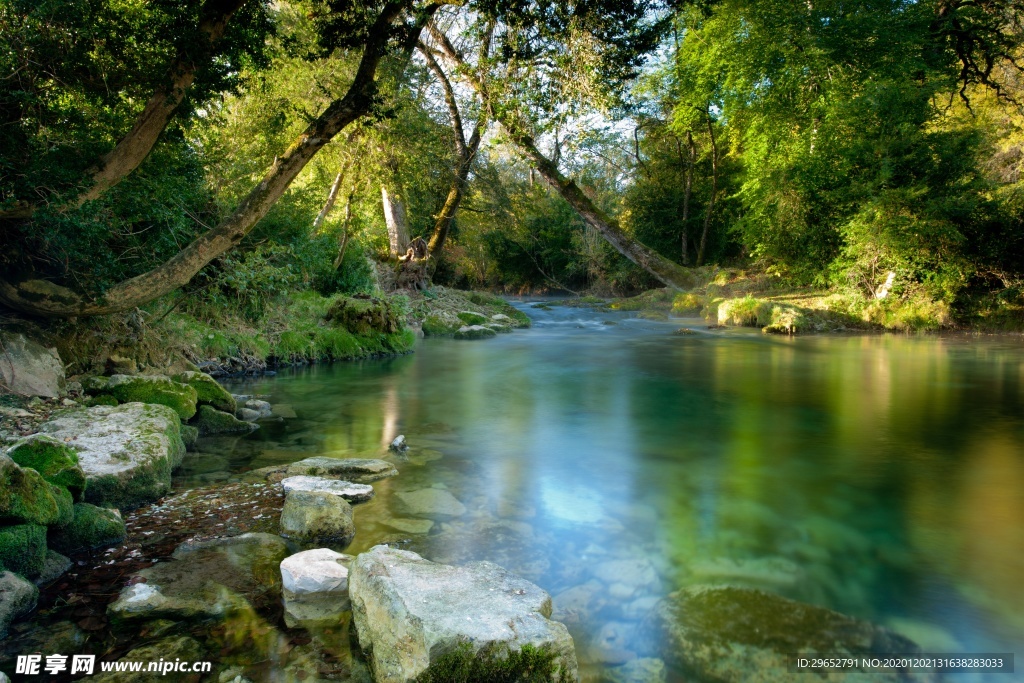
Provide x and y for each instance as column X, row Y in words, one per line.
column 39, row 297
column 666, row 271
column 396, row 219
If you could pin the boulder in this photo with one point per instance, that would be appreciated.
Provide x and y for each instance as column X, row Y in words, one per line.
column 189, row 436
column 209, row 420
column 92, row 527
column 23, row 549
column 65, row 506
column 430, row 503
column 418, row 620
column 17, row 598
column 356, row 470
column 208, row 391
column 25, row 497
column 157, row 389
column 52, row 458
column 471, row 318
column 29, row 368
column 127, row 452
column 502, row 319
column 262, row 409
column 247, row 415
column 399, row 444
column 53, row 568
column 317, row 518
column 315, row 586
column 474, row 332
column 353, row 493
column 726, row 633
column 205, row 580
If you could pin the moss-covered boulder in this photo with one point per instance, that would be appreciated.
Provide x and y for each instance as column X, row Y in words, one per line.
column 441, row 324
column 55, row 460
column 471, row 318
column 209, row 420
column 23, row 549
column 156, row 389
column 25, row 497
column 65, row 506
column 743, row 635
column 101, row 400
column 94, row 385
column 127, row 452
column 365, row 316
column 92, row 527
column 208, row 391
column 475, row 332
column 189, row 436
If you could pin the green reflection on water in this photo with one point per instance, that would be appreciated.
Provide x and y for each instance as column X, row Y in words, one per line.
column 880, row 476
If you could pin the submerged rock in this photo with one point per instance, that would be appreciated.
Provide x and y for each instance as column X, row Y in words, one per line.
column 127, row 452
column 205, row 580
column 474, row 332
column 315, row 586
column 17, row 597
column 399, row 444
column 430, row 503
column 29, row 368
column 54, row 566
column 745, row 635
column 208, row 391
column 156, row 389
column 254, row 406
column 356, row 470
column 317, row 518
column 418, row 620
column 209, row 420
column 92, row 527
column 53, row 459
column 167, row 650
column 353, row 493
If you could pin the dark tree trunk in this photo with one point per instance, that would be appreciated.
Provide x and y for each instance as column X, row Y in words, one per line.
column 714, row 192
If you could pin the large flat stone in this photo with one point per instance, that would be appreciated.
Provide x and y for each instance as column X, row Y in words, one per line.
column 29, row 368
column 127, row 452
column 356, row 470
column 430, row 503
column 353, row 493
column 412, row 614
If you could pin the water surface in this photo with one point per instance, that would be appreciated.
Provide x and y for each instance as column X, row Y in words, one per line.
column 882, row 476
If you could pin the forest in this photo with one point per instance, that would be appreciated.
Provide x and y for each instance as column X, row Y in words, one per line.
column 217, row 156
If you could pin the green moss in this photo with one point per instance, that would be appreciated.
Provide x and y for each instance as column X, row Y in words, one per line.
column 189, row 435
column 23, row 549
column 495, row 664
column 471, row 318
column 209, row 420
column 440, row 325
column 94, row 385
column 65, row 506
column 687, row 303
column 91, row 527
column 475, row 332
column 336, row 343
column 365, row 316
column 101, row 400
column 739, row 312
column 54, row 460
column 25, row 497
column 156, row 389
column 208, row 391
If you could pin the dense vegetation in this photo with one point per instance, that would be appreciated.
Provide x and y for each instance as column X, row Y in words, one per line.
column 213, row 158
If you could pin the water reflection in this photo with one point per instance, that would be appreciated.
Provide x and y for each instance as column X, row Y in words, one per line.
column 880, row 476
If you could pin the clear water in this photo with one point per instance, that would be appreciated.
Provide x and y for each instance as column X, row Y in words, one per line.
column 882, row 476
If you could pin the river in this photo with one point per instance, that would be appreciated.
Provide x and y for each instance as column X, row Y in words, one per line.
column 611, row 460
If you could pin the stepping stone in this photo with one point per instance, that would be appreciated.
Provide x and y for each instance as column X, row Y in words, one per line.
column 353, row 493
column 358, row 470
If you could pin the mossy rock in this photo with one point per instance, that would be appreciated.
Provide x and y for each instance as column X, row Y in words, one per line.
column 156, row 389
column 208, row 391
column 23, row 549
column 475, row 332
column 92, row 527
column 25, row 497
column 494, row 664
column 65, row 506
column 189, row 436
column 441, row 325
column 94, row 385
column 209, row 420
column 101, row 400
column 54, row 459
column 365, row 316
column 499, row 328
column 471, row 318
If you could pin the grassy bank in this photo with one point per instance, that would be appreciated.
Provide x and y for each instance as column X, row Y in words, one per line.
column 740, row 298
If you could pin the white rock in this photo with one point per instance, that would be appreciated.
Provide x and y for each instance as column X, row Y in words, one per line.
column 30, row 369
column 353, row 493
column 320, row 570
column 407, row 610
column 399, row 443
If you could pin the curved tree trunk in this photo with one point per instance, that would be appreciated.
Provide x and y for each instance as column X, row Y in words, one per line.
column 44, row 298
